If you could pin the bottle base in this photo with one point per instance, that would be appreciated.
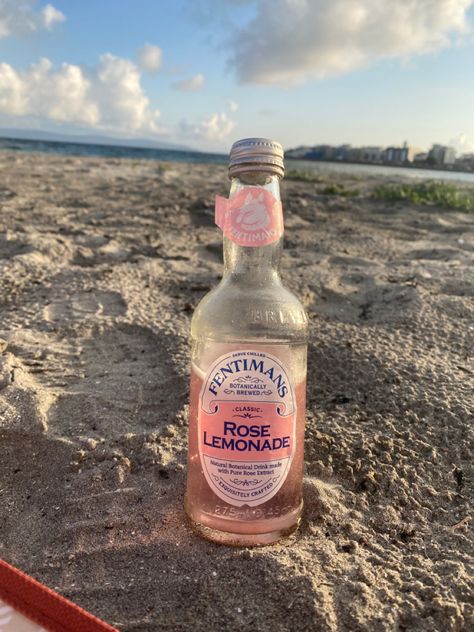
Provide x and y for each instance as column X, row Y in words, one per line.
column 243, row 534
column 242, row 539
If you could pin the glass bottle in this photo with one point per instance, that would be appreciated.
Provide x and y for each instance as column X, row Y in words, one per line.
column 248, row 374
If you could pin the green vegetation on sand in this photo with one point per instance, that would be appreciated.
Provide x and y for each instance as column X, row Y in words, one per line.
column 430, row 193
column 303, row 176
column 329, row 189
column 339, row 189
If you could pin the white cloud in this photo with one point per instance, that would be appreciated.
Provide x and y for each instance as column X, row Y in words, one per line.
column 118, row 90
column 150, row 58
column 190, row 85
column 462, row 144
column 214, row 128
column 108, row 97
column 19, row 17
column 293, row 41
column 51, row 16
column 232, row 105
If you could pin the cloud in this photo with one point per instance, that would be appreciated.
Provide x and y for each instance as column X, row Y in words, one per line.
column 190, row 85
column 462, row 144
column 214, row 128
column 293, row 41
column 51, row 15
column 232, row 105
column 121, row 96
column 107, row 97
column 19, row 17
column 150, row 58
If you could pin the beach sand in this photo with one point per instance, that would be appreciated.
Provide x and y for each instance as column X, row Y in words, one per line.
column 102, row 262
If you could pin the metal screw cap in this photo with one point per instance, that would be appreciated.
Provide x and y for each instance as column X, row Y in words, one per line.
column 256, row 154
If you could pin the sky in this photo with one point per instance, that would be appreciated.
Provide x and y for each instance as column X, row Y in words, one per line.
column 203, row 73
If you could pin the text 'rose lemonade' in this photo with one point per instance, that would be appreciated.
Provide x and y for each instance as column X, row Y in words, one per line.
column 248, row 374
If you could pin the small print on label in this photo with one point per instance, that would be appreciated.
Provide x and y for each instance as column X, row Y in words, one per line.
column 246, row 425
column 251, row 217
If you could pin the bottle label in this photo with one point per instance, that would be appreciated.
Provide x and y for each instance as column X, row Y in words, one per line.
column 246, row 426
column 251, row 217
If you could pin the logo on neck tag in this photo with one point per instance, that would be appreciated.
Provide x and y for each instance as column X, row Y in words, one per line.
column 251, row 217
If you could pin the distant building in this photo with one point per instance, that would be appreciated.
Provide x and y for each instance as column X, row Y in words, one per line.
column 421, row 157
column 394, row 154
column 442, row 155
column 412, row 153
column 466, row 161
column 371, row 154
column 439, row 155
column 321, row 152
column 298, row 152
column 343, row 152
column 354, row 154
column 400, row 155
column 317, row 152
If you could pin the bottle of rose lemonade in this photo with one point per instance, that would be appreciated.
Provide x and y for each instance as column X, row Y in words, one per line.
column 248, row 374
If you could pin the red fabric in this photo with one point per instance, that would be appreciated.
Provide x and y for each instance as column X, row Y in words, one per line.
column 44, row 606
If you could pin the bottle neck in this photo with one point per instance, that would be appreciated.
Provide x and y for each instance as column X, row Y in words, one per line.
column 256, row 265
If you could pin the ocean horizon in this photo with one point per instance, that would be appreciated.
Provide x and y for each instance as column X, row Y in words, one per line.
column 73, row 148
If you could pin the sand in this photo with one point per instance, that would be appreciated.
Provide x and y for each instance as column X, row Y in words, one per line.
column 101, row 264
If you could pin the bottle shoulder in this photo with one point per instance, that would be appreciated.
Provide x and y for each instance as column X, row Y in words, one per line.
column 240, row 311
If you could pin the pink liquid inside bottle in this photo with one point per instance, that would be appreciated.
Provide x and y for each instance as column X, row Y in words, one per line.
column 248, row 375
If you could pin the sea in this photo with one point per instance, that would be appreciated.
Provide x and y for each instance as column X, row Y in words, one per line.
column 171, row 155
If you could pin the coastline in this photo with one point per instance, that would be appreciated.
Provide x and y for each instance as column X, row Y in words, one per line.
column 111, row 150
column 102, row 262
column 115, row 150
column 417, row 167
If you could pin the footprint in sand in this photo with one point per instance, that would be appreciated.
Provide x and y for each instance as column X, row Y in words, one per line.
column 85, row 305
column 96, row 250
column 123, row 380
column 440, row 254
column 11, row 247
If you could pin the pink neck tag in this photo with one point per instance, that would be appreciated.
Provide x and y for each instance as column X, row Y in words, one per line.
column 251, row 217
